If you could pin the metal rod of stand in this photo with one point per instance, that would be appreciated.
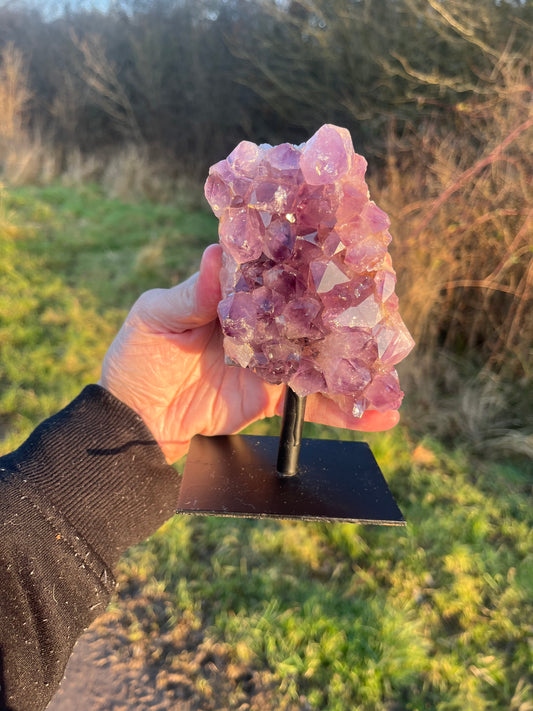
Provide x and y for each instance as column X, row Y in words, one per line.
column 290, row 439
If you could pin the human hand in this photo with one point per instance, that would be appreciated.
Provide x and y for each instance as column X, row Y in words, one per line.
column 167, row 364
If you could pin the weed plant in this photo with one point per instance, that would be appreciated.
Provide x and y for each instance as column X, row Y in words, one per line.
column 318, row 616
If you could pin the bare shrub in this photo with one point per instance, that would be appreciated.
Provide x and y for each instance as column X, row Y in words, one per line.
column 448, row 397
column 461, row 209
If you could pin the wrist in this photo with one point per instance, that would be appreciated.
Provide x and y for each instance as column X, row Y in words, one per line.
column 98, row 465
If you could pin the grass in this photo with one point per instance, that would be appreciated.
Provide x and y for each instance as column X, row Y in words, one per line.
column 71, row 264
column 434, row 616
column 359, row 617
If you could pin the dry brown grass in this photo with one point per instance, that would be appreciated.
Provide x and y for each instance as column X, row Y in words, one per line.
column 25, row 157
column 80, row 169
column 131, row 173
column 461, row 206
column 134, row 172
column 30, row 160
column 14, row 92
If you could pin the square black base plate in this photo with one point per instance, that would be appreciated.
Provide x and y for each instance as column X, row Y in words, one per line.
column 236, row 476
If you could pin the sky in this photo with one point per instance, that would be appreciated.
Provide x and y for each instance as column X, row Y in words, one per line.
column 52, row 8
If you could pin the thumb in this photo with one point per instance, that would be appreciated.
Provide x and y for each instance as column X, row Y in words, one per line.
column 188, row 305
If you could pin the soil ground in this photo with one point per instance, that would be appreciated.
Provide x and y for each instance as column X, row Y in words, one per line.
column 136, row 657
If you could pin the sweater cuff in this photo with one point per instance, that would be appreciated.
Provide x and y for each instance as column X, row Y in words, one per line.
column 99, row 466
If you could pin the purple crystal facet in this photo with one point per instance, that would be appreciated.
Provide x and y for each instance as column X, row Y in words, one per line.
column 327, row 155
column 308, row 378
column 384, row 393
column 307, row 281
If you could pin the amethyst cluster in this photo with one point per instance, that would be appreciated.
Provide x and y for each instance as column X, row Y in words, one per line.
column 307, row 282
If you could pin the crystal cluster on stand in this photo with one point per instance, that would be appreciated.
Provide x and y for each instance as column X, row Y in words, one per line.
column 307, row 281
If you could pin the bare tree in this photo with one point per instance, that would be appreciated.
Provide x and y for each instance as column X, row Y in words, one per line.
column 101, row 76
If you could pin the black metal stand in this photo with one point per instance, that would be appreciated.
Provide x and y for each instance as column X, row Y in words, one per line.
column 290, row 439
column 289, row 477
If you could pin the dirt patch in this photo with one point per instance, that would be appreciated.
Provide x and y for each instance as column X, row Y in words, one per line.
column 137, row 656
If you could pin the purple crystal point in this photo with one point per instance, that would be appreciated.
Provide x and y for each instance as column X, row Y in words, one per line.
column 327, row 156
column 245, row 158
column 308, row 379
column 283, row 160
column 279, row 240
column 332, row 244
column 366, row 254
column 364, row 315
column 285, row 280
column 237, row 314
column 241, row 233
column 384, row 393
column 385, row 279
column 299, row 318
column 393, row 340
column 325, row 275
column 307, row 282
column 218, row 194
column 346, row 375
column 237, row 352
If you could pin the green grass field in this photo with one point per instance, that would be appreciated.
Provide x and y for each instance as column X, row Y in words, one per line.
column 438, row 615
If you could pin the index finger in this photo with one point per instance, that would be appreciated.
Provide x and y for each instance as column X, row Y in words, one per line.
column 324, row 411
